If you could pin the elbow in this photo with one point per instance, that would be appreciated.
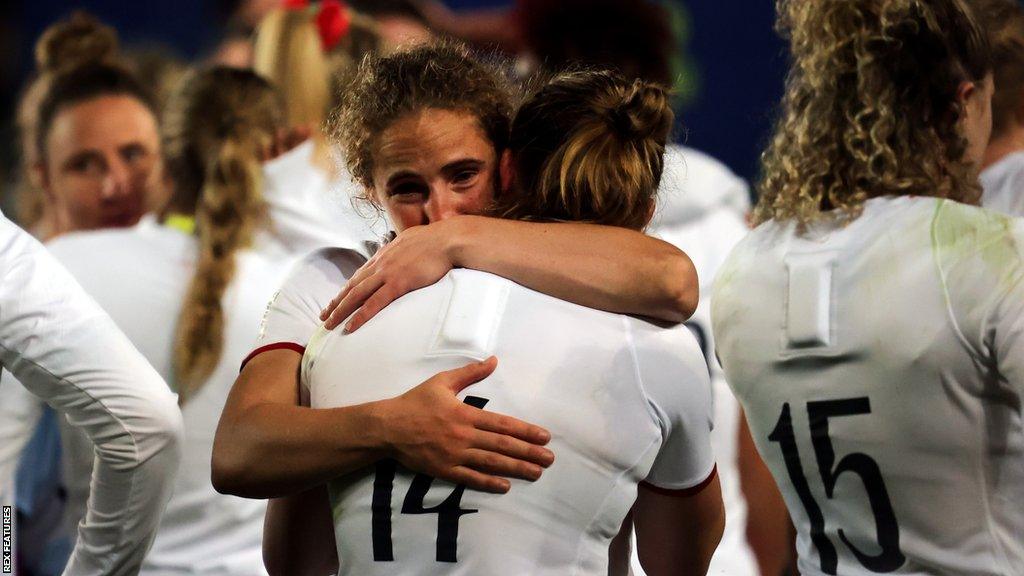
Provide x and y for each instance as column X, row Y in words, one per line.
column 228, row 468
column 159, row 434
column 683, row 288
column 235, row 464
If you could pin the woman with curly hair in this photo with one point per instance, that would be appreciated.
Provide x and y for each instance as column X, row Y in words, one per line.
column 880, row 365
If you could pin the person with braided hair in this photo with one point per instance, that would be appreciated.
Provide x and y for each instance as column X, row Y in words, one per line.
column 188, row 285
column 880, row 366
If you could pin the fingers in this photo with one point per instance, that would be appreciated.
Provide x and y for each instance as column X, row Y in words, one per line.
column 509, row 426
column 522, row 452
column 460, row 378
column 501, row 465
column 354, row 295
column 478, row 480
column 374, row 304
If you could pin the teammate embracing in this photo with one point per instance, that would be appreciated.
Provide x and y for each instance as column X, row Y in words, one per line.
column 871, row 325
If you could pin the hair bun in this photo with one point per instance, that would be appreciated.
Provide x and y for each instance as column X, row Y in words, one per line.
column 77, row 41
column 642, row 112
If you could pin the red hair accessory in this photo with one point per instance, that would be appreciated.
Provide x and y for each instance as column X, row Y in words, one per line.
column 333, row 22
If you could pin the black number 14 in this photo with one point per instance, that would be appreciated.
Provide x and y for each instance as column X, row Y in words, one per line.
column 448, row 512
column 888, row 531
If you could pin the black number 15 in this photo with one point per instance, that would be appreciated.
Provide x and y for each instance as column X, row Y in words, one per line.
column 448, row 512
column 888, row 531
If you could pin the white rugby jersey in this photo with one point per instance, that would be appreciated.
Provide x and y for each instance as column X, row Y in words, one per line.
column 68, row 352
column 625, row 401
column 308, row 210
column 881, row 367
column 139, row 275
column 1003, row 184
column 707, row 228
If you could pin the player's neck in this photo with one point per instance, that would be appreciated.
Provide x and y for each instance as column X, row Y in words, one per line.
column 1003, row 145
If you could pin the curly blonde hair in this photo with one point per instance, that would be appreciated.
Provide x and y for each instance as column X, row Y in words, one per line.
column 871, row 106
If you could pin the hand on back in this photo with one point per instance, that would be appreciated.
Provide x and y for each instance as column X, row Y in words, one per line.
column 429, row 430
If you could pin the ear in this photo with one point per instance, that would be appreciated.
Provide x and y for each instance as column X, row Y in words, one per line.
column 506, row 171
column 965, row 91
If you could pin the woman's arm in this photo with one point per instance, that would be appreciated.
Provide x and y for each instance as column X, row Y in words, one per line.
column 677, row 533
column 268, row 446
column 768, row 529
column 603, row 267
column 298, row 535
column 63, row 348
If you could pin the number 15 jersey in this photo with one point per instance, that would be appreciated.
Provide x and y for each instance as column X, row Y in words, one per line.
column 624, row 400
column 881, row 367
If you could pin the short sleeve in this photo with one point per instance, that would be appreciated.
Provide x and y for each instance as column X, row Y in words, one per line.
column 293, row 314
column 675, row 379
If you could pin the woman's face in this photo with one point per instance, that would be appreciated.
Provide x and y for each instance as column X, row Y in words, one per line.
column 976, row 123
column 432, row 165
column 102, row 163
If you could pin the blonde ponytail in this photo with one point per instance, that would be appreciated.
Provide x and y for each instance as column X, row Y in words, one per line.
column 214, row 130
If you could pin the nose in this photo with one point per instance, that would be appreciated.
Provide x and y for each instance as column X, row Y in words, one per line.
column 443, row 204
column 117, row 182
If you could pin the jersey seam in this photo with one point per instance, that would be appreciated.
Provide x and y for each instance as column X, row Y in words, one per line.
column 639, row 381
column 604, row 504
column 132, row 493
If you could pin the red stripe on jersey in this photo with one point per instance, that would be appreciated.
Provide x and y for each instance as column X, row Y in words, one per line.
column 269, row 347
column 691, row 491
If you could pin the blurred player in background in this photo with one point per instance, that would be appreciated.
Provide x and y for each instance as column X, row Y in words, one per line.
column 187, row 290
column 1003, row 174
column 880, row 363
column 627, row 402
column 57, row 342
column 309, row 51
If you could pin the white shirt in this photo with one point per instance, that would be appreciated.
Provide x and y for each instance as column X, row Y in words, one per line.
column 625, row 401
column 140, row 276
column 1003, row 185
column 702, row 222
column 308, row 210
column 881, row 368
column 67, row 351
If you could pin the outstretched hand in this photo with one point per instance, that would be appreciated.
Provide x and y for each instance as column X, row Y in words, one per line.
column 430, row 430
column 416, row 258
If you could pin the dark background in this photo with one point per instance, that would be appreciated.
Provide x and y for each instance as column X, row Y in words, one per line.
column 738, row 61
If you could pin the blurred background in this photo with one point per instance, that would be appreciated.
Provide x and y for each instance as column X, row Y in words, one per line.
column 730, row 60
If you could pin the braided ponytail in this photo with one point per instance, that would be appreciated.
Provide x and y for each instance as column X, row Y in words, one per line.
column 216, row 127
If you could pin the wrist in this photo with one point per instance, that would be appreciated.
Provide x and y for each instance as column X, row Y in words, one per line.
column 460, row 233
column 377, row 428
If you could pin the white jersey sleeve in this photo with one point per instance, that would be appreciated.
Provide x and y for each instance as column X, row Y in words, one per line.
column 19, row 414
column 293, row 314
column 66, row 350
column 675, row 379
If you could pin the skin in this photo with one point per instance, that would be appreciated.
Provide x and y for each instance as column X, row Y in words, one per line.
column 101, row 167
column 976, row 123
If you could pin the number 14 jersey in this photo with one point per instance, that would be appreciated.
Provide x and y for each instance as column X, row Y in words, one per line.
column 881, row 368
column 624, row 400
